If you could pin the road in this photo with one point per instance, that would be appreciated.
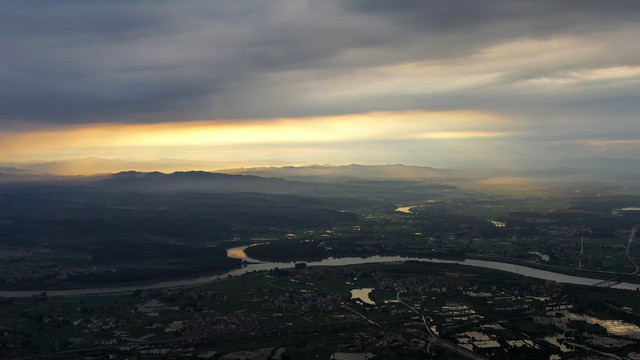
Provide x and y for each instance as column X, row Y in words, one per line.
column 628, row 249
column 627, row 252
column 367, row 319
column 435, row 340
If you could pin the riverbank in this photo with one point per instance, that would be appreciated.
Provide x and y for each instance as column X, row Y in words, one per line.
column 558, row 269
column 264, row 266
column 253, row 254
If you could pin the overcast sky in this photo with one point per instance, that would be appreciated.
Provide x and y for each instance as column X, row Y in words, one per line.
column 441, row 83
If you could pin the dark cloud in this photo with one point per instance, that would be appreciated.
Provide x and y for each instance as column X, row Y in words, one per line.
column 543, row 16
column 120, row 61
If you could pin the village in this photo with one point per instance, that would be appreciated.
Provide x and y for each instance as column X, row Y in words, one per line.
column 493, row 315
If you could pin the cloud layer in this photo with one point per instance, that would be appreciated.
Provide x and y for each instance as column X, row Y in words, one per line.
column 561, row 73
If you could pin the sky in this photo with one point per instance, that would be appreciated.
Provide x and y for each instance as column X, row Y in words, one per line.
column 438, row 83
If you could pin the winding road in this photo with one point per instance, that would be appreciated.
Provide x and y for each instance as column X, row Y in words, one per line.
column 434, row 339
column 628, row 249
column 627, row 252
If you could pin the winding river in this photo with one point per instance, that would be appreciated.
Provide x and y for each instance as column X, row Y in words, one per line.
column 256, row 265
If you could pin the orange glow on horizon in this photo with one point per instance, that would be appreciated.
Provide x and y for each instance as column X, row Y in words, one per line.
column 594, row 142
column 169, row 139
column 462, row 134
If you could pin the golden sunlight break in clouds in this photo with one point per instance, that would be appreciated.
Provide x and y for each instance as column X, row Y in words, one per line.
column 596, row 142
column 166, row 139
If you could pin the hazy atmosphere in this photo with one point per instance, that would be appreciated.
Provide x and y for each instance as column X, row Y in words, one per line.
column 446, row 84
column 320, row 179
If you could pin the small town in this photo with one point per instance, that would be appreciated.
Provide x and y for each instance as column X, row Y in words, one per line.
column 407, row 310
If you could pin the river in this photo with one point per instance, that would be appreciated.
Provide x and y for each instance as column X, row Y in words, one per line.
column 256, row 265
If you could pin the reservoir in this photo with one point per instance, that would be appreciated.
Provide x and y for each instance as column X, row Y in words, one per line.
column 404, row 209
column 362, row 295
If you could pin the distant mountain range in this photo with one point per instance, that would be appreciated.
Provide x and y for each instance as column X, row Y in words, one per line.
column 94, row 165
column 194, row 173
column 13, row 171
column 351, row 172
column 328, row 173
column 200, row 181
column 194, row 181
column 208, row 182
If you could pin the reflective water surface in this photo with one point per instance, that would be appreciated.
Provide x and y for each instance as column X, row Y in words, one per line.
column 256, row 265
